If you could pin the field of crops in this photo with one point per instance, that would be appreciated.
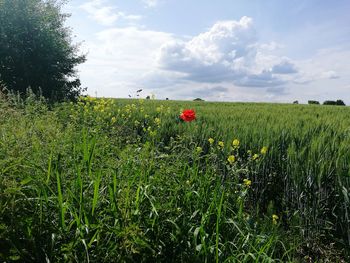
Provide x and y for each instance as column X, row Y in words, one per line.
column 107, row 180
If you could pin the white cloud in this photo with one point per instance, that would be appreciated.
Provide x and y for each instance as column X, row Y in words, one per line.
column 106, row 14
column 151, row 3
column 119, row 57
column 284, row 67
column 228, row 51
column 263, row 79
column 324, row 76
column 271, row 46
column 218, row 64
column 331, row 74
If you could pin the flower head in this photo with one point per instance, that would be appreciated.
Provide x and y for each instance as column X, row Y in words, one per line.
column 255, row 156
column 188, row 115
column 211, row 140
column 235, row 143
column 157, row 121
column 199, row 149
column 247, row 182
column 274, row 219
column 221, row 144
column 264, row 150
column 231, row 159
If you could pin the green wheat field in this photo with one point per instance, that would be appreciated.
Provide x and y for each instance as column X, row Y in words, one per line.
column 117, row 180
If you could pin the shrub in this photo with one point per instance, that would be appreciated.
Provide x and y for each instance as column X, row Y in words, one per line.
column 332, row 102
column 313, row 102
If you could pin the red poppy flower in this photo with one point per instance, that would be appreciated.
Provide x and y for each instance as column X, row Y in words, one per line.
column 188, row 115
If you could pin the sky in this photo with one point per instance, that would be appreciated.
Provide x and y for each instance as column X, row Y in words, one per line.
column 225, row 50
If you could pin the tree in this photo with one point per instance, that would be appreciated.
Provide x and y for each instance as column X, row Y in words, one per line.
column 313, row 102
column 340, row 103
column 332, row 102
column 36, row 49
column 329, row 102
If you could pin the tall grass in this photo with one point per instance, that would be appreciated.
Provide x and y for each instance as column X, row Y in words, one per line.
column 126, row 181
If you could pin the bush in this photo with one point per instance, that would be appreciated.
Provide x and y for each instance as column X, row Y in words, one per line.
column 313, row 102
column 340, row 103
column 332, row 102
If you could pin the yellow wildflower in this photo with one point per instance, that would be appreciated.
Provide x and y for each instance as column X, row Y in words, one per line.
column 211, row 140
column 263, row 150
column 199, row 149
column 255, row 156
column 152, row 133
column 235, row 143
column 274, row 219
column 157, row 121
column 231, row 159
column 247, row 182
column 221, row 144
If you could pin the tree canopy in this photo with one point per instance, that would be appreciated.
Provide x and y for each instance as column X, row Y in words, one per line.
column 36, row 49
column 333, row 102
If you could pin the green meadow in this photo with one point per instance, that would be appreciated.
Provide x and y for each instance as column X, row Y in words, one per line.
column 105, row 180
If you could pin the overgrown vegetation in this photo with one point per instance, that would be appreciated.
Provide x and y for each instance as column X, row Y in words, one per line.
column 126, row 181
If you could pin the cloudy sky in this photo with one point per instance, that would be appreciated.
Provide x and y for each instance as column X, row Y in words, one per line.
column 224, row 50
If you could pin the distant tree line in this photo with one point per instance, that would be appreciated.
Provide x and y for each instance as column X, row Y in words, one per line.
column 327, row 102
column 313, row 102
column 332, row 102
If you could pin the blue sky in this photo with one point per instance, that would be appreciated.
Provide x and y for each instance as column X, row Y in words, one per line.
column 277, row 51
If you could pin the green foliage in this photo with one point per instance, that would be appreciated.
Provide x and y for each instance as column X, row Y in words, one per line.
column 332, row 102
column 36, row 49
column 313, row 102
column 125, row 181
